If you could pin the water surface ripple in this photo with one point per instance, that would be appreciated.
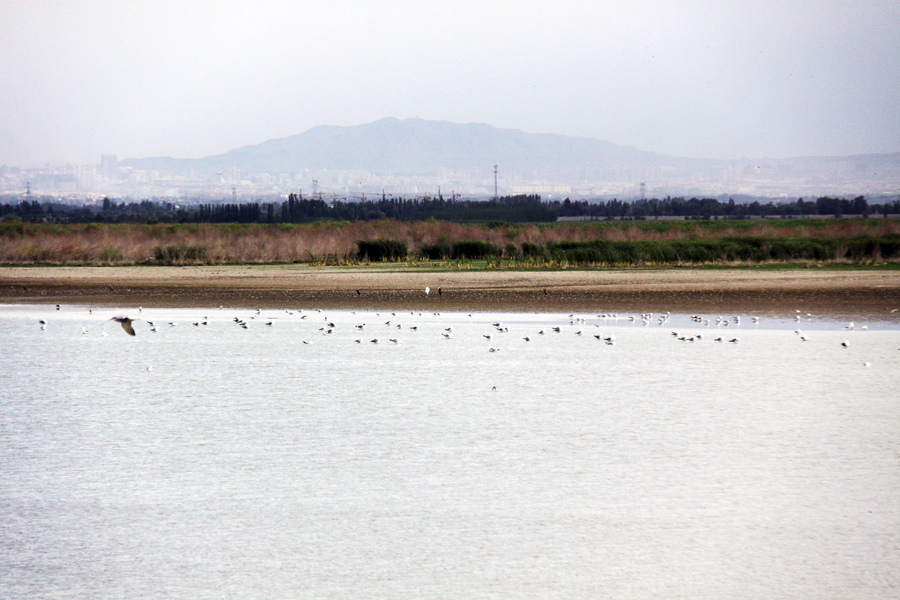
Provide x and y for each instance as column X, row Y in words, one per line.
column 248, row 464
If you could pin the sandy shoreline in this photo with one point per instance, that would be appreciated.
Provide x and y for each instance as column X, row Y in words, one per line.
column 836, row 292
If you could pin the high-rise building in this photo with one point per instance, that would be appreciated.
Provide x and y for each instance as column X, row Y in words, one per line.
column 109, row 167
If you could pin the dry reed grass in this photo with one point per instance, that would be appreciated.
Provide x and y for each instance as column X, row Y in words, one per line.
column 260, row 244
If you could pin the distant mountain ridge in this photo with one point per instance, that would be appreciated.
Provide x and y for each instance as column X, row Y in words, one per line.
column 441, row 150
column 415, row 146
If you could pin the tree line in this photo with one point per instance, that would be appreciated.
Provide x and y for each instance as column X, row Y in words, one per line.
column 513, row 209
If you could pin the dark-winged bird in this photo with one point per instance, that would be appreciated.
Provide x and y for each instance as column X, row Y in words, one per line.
column 126, row 324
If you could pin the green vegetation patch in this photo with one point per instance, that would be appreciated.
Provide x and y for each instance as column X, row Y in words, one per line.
column 381, row 249
column 474, row 249
column 713, row 250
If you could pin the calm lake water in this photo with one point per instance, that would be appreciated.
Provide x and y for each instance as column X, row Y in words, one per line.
column 213, row 461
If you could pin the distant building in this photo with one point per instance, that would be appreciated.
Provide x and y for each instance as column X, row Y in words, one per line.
column 109, row 167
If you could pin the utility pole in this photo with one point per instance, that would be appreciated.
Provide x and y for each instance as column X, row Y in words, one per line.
column 496, row 195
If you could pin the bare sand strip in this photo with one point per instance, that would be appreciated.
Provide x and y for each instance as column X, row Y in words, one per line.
column 741, row 290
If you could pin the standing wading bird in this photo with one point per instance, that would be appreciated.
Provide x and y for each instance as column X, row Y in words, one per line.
column 126, row 324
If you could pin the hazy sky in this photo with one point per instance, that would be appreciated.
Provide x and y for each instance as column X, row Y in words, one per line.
column 712, row 79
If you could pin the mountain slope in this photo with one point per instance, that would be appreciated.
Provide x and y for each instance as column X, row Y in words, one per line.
column 417, row 146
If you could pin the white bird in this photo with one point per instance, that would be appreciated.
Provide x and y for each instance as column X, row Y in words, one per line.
column 84, row 331
column 845, row 343
column 125, row 322
column 427, row 291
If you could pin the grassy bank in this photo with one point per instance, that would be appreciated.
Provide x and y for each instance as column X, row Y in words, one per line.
column 526, row 246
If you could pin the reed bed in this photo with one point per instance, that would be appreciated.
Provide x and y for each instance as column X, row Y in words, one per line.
column 128, row 244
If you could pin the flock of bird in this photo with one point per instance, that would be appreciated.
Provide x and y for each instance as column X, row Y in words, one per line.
column 499, row 329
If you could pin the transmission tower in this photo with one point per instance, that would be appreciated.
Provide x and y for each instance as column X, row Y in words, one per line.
column 234, row 194
column 643, row 191
column 315, row 187
column 496, row 195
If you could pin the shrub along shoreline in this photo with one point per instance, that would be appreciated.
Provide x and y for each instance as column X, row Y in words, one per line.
column 513, row 245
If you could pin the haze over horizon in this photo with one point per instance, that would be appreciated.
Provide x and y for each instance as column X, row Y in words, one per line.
column 697, row 79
